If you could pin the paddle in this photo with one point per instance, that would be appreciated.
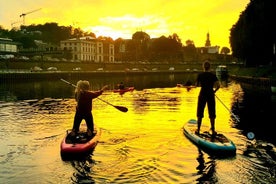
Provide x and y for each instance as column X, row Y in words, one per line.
column 250, row 135
column 228, row 109
column 120, row 108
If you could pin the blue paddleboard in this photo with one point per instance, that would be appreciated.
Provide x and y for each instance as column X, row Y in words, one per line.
column 218, row 144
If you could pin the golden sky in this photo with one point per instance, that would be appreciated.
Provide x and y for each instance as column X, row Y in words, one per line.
column 189, row 19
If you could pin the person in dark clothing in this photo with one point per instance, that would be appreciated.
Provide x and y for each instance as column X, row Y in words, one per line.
column 84, row 99
column 209, row 84
column 188, row 85
column 121, row 86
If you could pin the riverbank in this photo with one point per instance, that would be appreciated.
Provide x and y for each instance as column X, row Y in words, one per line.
column 262, row 72
column 88, row 66
column 257, row 76
column 21, row 74
column 23, row 69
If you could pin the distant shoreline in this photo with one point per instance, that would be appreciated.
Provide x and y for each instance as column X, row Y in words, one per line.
column 17, row 69
column 58, row 74
column 88, row 66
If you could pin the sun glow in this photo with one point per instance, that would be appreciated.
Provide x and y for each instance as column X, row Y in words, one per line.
column 127, row 25
column 190, row 20
column 106, row 31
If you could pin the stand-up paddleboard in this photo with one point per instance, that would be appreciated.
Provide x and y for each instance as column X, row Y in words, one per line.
column 216, row 145
column 78, row 145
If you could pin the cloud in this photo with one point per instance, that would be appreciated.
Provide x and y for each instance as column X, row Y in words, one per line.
column 189, row 19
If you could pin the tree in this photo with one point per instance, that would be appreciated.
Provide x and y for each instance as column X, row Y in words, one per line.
column 190, row 51
column 141, row 36
column 166, row 49
column 225, row 50
column 140, row 41
column 176, row 38
column 253, row 36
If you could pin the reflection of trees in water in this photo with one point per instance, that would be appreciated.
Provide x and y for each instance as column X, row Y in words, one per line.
column 255, row 109
column 7, row 96
column 55, row 88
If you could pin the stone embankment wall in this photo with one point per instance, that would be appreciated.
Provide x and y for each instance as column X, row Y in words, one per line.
column 259, row 83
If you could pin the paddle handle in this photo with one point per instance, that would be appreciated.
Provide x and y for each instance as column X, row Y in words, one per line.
column 68, row 83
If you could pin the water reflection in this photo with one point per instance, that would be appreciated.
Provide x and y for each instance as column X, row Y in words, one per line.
column 32, row 89
column 83, row 168
column 144, row 145
column 206, row 170
column 256, row 111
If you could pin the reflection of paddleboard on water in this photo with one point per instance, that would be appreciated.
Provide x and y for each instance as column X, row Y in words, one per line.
column 218, row 144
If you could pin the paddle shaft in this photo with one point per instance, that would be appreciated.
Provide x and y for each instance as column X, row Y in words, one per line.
column 123, row 109
column 228, row 109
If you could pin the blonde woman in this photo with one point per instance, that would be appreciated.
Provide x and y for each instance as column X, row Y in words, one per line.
column 84, row 98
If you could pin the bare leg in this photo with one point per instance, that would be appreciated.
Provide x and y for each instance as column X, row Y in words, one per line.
column 212, row 120
column 199, row 120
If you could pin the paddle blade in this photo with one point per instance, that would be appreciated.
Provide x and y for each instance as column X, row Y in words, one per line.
column 120, row 108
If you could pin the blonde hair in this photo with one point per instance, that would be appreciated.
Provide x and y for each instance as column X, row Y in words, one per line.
column 82, row 85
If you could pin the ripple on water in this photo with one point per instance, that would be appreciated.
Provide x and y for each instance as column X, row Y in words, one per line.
column 144, row 145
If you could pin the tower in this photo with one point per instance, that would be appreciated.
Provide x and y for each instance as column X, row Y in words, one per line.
column 208, row 42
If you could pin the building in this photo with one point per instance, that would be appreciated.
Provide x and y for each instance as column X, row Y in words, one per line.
column 7, row 46
column 89, row 49
column 208, row 48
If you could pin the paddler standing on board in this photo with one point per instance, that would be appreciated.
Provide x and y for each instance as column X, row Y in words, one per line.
column 84, row 98
column 209, row 84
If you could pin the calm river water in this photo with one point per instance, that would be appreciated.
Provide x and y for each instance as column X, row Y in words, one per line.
column 145, row 144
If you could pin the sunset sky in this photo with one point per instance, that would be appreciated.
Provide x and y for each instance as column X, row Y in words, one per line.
column 189, row 19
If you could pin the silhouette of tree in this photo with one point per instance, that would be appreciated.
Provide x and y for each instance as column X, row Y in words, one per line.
column 166, row 49
column 140, row 41
column 253, row 36
column 225, row 50
column 190, row 51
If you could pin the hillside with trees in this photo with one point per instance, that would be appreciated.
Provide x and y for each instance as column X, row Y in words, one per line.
column 50, row 33
column 140, row 48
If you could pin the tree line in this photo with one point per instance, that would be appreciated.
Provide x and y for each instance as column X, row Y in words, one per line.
column 140, row 48
column 253, row 36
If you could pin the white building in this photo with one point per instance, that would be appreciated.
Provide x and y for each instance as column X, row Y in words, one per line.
column 8, row 46
column 208, row 48
column 89, row 49
column 212, row 49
